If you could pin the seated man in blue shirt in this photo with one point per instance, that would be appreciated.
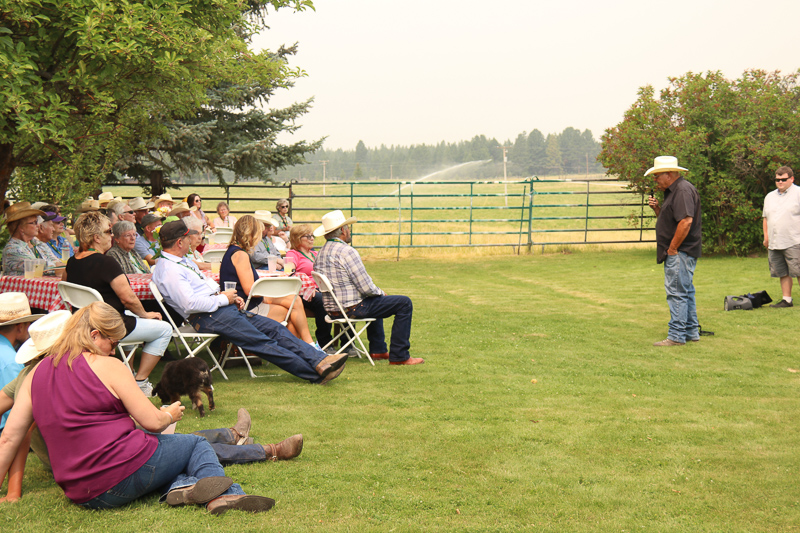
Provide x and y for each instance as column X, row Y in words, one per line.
column 199, row 300
column 147, row 245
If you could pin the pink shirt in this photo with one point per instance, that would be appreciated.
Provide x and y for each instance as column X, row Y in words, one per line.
column 302, row 263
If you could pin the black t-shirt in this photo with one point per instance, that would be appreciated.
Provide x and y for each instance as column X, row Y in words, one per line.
column 680, row 201
column 98, row 271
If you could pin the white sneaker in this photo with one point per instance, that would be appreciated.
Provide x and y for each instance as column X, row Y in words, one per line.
column 146, row 387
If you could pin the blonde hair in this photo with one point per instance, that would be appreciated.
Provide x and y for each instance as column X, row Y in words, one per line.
column 247, row 232
column 77, row 335
column 296, row 234
column 87, row 226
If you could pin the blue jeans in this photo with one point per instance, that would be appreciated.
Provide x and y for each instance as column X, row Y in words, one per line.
column 179, row 461
column 678, row 276
column 381, row 307
column 264, row 337
column 323, row 332
column 223, row 442
column 155, row 334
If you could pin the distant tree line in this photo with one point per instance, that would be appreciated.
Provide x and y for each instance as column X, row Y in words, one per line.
column 530, row 154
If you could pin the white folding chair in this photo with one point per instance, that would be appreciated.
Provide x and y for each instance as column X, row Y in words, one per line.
column 268, row 288
column 346, row 323
column 187, row 334
column 81, row 296
column 220, row 237
column 213, row 256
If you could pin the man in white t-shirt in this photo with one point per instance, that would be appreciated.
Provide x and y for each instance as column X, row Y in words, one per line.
column 782, row 232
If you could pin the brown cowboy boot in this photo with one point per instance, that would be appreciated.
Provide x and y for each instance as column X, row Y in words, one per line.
column 286, row 449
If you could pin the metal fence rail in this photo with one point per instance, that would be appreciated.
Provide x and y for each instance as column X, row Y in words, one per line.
column 449, row 214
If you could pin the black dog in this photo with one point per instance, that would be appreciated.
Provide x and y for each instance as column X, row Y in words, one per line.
column 186, row 376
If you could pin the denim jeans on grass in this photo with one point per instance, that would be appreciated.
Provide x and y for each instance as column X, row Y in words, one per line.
column 264, row 337
column 223, row 442
column 179, row 461
column 381, row 307
column 678, row 277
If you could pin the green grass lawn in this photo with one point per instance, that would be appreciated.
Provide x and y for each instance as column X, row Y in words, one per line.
column 542, row 406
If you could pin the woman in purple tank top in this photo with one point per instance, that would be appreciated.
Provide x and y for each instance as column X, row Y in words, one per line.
column 83, row 401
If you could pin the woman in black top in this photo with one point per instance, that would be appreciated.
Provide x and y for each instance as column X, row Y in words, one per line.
column 91, row 268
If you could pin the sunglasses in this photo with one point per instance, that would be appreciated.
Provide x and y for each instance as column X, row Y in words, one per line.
column 781, row 180
column 309, row 236
column 108, row 231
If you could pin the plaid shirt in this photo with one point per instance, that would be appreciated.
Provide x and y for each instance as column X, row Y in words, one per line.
column 342, row 265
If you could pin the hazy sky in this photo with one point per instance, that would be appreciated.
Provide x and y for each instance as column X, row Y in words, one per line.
column 425, row 71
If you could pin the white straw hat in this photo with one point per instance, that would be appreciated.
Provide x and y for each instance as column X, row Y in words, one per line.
column 104, row 198
column 665, row 163
column 137, row 203
column 15, row 309
column 44, row 333
column 182, row 207
column 265, row 217
column 332, row 221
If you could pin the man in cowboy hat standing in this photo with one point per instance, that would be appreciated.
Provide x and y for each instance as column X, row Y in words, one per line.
column 360, row 297
column 15, row 317
column 678, row 245
column 782, row 232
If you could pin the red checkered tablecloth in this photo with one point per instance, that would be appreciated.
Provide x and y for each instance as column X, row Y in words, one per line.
column 42, row 293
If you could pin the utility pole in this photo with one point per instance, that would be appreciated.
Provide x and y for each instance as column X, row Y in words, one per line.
column 505, row 172
column 324, row 175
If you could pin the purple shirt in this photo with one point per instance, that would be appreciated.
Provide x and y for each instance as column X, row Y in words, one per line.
column 92, row 440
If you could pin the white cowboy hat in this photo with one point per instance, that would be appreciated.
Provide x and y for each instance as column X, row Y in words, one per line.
column 182, row 207
column 137, row 204
column 332, row 221
column 15, row 309
column 265, row 217
column 166, row 197
column 665, row 163
column 44, row 333
column 105, row 197
column 38, row 205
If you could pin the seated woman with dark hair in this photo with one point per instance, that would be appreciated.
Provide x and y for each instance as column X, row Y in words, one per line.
column 91, row 268
column 85, row 404
column 303, row 256
column 123, row 250
column 236, row 267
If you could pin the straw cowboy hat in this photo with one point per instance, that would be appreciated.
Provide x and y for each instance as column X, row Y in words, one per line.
column 665, row 163
column 106, row 197
column 182, row 207
column 21, row 210
column 137, row 204
column 166, row 197
column 15, row 309
column 89, row 204
column 332, row 221
column 44, row 333
column 265, row 217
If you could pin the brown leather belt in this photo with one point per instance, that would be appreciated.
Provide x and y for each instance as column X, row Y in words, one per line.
column 337, row 314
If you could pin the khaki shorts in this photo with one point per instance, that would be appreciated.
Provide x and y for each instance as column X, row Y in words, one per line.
column 785, row 262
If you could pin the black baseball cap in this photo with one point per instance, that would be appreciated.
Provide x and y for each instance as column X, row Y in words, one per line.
column 172, row 231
